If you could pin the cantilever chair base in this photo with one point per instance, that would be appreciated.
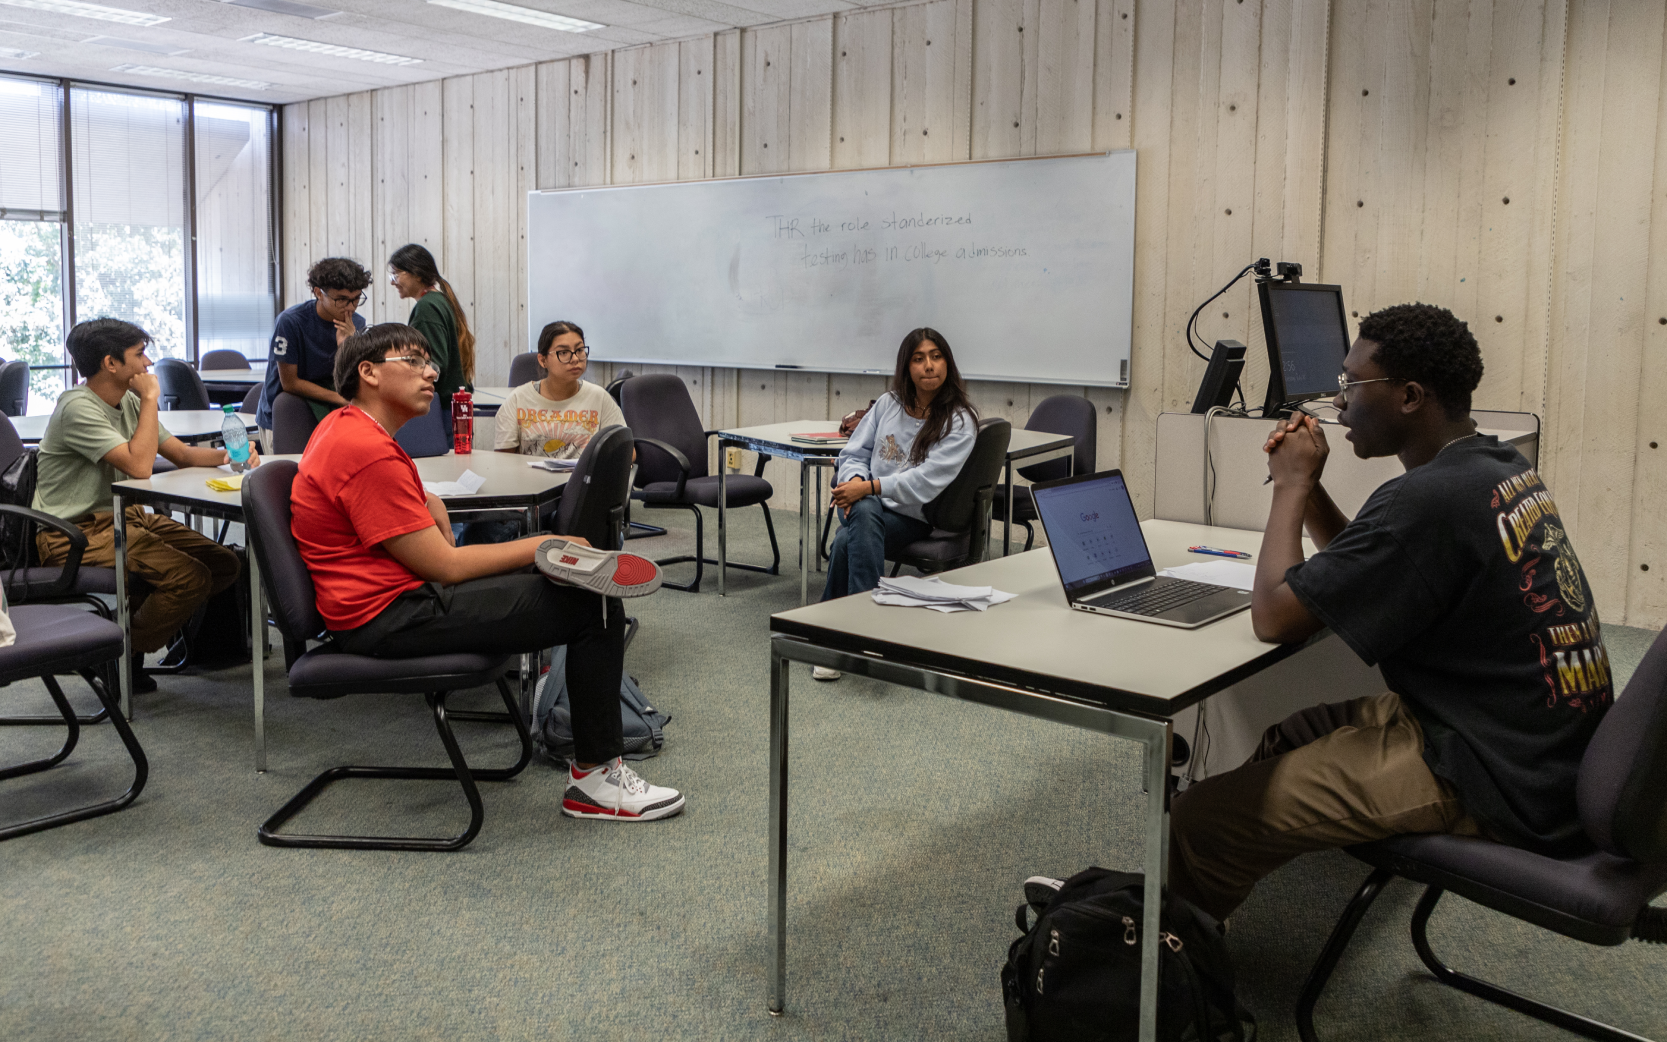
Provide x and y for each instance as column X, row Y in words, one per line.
column 459, row 771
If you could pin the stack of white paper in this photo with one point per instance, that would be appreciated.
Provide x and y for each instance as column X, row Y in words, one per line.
column 557, row 465
column 467, row 484
column 1233, row 574
column 931, row 592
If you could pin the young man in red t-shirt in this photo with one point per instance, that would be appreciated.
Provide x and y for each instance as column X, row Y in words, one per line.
column 390, row 581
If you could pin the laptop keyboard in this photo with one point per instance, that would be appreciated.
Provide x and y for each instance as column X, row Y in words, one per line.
column 1150, row 601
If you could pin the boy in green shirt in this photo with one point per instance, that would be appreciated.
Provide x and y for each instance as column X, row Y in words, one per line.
column 105, row 430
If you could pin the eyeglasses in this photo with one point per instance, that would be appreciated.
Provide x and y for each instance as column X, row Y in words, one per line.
column 417, row 362
column 565, row 355
column 1344, row 383
column 355, row 301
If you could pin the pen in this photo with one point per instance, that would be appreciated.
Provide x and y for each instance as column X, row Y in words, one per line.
column 1213, row 552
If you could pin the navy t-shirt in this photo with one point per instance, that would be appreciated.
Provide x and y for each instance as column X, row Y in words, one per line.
column 1459, row 580
column 302, row 339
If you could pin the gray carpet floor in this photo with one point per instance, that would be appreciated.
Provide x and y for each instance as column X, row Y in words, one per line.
column 914, row 820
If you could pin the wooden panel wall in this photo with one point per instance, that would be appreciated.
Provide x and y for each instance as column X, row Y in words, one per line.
column 1375, row 142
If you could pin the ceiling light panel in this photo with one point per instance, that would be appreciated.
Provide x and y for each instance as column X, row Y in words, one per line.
column 13, row 54
column 194, row 77
column 289, row 7
column 333, row 50
column 80, row 10
column 136, row 45
column 531, row 16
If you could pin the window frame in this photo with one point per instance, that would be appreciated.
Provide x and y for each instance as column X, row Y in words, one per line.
column 65, row 218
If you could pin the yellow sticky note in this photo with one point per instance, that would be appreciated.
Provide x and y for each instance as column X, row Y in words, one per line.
column 231, row 483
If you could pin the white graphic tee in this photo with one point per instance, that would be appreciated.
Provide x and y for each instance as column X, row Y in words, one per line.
column 533, row 425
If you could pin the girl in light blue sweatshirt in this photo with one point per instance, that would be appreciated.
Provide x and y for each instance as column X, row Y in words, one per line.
column 906, row 450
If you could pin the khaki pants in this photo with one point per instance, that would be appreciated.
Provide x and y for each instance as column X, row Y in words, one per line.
column 182, row 568
column 1329, row 776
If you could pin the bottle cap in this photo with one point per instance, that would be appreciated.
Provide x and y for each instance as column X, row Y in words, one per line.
column 228, row 409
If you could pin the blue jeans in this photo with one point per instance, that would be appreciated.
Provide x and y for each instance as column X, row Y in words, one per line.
column 871, row 533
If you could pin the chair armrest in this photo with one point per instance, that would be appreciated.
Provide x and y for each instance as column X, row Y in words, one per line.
column 677, row 457
column 72, row 564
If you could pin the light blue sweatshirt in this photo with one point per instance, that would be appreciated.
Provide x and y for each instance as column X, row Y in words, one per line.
column 879, row 448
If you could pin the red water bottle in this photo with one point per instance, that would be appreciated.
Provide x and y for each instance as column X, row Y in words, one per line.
column 462, row 422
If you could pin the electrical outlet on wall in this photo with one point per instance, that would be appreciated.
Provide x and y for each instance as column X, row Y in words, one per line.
column 732, row 459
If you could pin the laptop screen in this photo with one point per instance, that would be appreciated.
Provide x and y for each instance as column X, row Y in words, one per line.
column 1093, row 532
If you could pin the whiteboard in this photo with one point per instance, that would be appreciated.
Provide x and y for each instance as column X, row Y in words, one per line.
column 1025, row 266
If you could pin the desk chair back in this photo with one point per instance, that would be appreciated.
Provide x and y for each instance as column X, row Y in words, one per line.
column 524, row 369
column 956, row 508
column 182, row 388
column 251, row 401
column 1064, row 414
column 26, row 579
column 292, row 423
column 1622, row 788
column 615, row 387
column 594, row 502
column 14, row 387
column 223, row 358
column 658, row 407
column 428, row 434
column 267, row 515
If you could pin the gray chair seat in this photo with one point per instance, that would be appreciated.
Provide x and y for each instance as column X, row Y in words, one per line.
column 744, row 491
column 1595, row 889
column 55, row 639
column 87, row 580
column 327, row 673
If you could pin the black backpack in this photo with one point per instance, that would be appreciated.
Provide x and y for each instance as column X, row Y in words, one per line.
column 1075, row 975
column 17, row 534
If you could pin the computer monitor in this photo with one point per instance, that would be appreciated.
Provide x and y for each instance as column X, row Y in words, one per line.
column 1216, row 389
column 1308, row 337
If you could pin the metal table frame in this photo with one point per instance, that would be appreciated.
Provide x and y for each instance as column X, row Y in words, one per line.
column 1154, row 734
column 810, row 458
column 232, row 510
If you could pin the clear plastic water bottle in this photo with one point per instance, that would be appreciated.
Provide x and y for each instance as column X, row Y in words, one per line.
column 237, row 439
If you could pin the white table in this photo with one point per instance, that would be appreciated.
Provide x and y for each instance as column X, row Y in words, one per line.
column 188, row 425
column 1032, row 655
column 510, row 485
column 232, row 377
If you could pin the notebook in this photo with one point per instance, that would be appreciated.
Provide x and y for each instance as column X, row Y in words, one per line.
column 1103, row 561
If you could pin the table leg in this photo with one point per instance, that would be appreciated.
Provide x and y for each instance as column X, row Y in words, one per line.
column 777, row 969
column 807, row 526
column 723, row 520
column 530, row 663
column 124, row 669
column 1157, row 753
column 257, row 660
column 1007, row 519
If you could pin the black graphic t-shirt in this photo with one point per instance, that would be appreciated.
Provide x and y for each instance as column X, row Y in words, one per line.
column 1458, row 579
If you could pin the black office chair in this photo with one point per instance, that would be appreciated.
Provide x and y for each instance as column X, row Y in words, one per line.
column 223, row 358
column 616, row 385
column 27, row 580
column 14, row 387
column 251, row 401
column 53, row 639
column 428, row 434
column 182, row 388
column 1602, row 897
column 524, row 369
column 1059, row 414
column 671, row 466
column 960, row 514
column 325, row 672
column 596, row 500
column 292, row 423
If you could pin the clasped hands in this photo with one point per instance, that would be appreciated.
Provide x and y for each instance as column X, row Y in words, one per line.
column 849, row 492
column 1297, row 451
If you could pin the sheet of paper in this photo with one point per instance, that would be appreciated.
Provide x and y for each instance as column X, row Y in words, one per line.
column 467, row 484
column 553, row 464
column 1235, row 574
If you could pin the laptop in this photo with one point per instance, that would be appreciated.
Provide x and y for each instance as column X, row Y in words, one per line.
column 1102, row 558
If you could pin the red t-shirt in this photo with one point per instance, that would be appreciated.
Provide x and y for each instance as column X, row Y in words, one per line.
column 356, row 488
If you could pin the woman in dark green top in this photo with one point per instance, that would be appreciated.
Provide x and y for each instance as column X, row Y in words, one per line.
column 438, row 317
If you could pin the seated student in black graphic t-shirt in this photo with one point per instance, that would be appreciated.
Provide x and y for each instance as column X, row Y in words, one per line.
column 1459, row 580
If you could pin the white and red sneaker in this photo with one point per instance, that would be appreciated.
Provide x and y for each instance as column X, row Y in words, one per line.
column 615, row 792
column 611, row 573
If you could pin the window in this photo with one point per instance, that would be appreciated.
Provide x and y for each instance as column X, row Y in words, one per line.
column 102, row 189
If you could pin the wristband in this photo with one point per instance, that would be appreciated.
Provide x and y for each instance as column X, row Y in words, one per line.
column 873, row 487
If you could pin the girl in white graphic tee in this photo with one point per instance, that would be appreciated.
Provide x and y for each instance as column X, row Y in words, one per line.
column 558, row 415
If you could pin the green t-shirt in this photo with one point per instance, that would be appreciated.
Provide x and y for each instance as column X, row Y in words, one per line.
column 433, row 318
column 72, row 480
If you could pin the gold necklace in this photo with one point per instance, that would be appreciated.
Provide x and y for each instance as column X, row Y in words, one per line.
column 1455, row 441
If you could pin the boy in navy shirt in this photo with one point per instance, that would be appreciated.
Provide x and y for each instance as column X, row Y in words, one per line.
column 302, row 357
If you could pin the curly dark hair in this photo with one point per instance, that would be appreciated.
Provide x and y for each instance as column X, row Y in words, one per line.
column 338, row 273
column 1429, row 345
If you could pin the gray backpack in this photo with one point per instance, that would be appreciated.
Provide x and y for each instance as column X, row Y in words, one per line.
column 553, row 716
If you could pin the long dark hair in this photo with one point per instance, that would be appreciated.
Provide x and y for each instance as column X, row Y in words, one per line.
column 950, row 399
column 415, row 260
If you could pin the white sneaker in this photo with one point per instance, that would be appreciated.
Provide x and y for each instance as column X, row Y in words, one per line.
column 611, row 573
column 617, row 793
column 824, row 673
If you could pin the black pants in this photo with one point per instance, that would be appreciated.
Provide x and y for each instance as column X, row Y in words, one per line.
column 512, row 615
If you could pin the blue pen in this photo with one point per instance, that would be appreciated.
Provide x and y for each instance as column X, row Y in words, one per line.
column 1213, row 552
